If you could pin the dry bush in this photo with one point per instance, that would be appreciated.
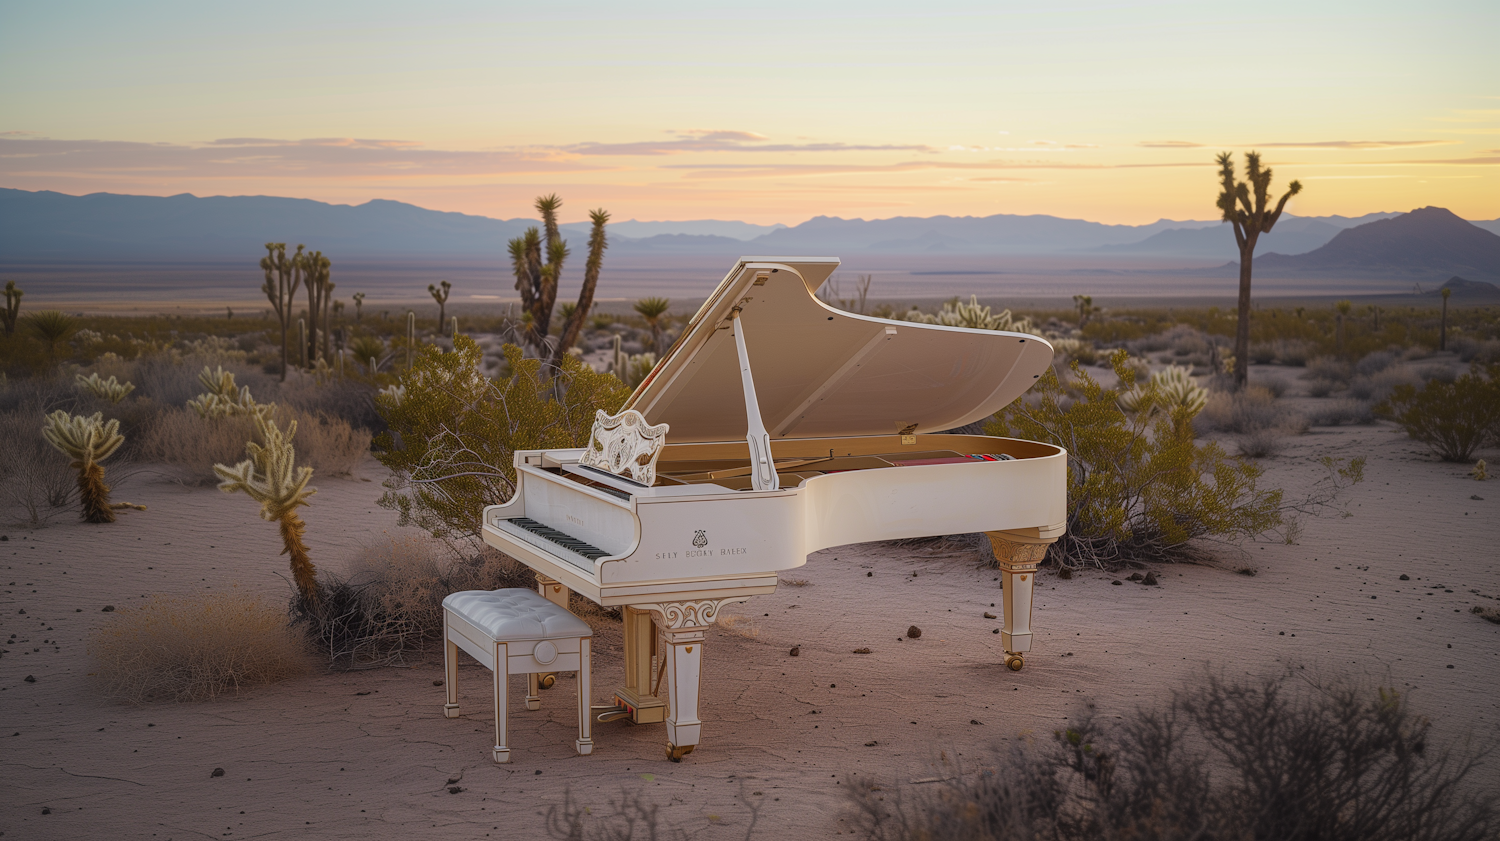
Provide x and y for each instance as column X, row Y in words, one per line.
column 1330, row 369
column 1274, row 759
column 740, row 626
column 1321, row 388
column 1437, row 371
column 195, row 648
column 36, row 484
column 389, row 606
column 1343, row 411
column 1262, row 443
column 1452, row 418
column 350, row 400
column 178, row 437
column 1381, row 385
column 1253, row 409
column 1375, row 362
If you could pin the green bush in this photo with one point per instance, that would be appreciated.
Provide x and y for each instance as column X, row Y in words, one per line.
column 453, row 432
column 1140, row 487
column 1452, row 418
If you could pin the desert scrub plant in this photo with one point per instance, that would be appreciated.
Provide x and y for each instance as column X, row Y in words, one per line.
column 271, row 478
column 453, row 434
column 87, row 441
column 1139, row 486
column 194, row 648
column 224, row 399
column 51, row 327
column 35, row 483
column 111, row 389
column 1172, row 389
column 1270, row 759
column 955, row 313
column 1452, row 418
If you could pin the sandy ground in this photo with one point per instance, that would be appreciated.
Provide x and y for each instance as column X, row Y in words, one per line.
column 369, row 754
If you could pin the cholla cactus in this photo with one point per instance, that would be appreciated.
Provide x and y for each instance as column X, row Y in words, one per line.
column 87, row 441
column 1173, row 388
column 111, row 389
column 392, row 395
column 223, row 399
column 1480, row 473
column 973, row 316
column 272, row 478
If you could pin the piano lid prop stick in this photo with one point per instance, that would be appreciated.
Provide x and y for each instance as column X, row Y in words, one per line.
column 762, row 471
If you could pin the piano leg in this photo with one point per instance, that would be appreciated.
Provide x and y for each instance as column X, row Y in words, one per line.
column 585, row 743
column 684, row 667
column 556, row 593
column 502, row 750
column 640, row 647
column 1018, row 557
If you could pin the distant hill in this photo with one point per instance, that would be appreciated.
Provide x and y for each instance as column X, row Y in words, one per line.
column 999, row 234
column 1430, row 242
column 695, row 227
column 1468, row 291
column 1292, row 235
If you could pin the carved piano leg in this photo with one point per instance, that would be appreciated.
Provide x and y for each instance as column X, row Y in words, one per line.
column 556, row 593
column 1018, row 556
column 640, row 648
column 684, row 667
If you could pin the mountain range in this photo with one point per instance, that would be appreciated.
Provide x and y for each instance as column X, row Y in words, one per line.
column 49, row 227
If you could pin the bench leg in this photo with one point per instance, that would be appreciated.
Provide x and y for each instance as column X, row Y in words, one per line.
column 502, row 749
column 585, row 743
column 533, row 696
column 450, row 673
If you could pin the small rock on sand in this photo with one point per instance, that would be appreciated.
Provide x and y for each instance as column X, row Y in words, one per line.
column 218, row 772
column 861, row 651
column 109, row 608
column 796, row 651
column 31, row 678
column 1150, row 579
column 914, row 632
column 455, row 789
column 989, row 615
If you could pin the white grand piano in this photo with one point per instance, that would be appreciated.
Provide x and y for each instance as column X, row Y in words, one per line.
column 775, row 427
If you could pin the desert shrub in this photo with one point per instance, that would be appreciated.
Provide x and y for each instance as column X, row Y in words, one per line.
column 1343, row 411
column 1452, row 418
column 195, row 648
column 1294, row 352
column 1256, row 760
column 1261, row 443
column 1139, row 485
column 1321, row 388
column 388, row 608
column 1262, row 353
column 1330, row 369
column 349, row 400
column 1253, row 409
column 35, row 483
column 1380, row 385
column 1276, row 386
column 1437, row 371
column 193, row 445
column 453, row 432
column 1374, row 363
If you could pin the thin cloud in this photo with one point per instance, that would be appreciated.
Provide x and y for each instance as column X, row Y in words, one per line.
column 1358, row 144
column 263, row 158
column 699, row 140
column 754, row 170
column 1169, row 144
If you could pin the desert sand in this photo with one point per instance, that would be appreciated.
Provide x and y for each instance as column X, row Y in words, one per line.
column 369, row 755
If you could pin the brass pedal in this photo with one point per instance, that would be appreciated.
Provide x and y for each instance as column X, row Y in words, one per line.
column 609, row 712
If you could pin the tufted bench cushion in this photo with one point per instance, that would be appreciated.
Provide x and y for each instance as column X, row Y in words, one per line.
column 516, row 615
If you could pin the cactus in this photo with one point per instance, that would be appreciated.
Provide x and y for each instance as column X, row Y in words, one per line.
column 537, row 281
column 111, row 389
column 87, row 441
column 271, row 478
column 283, row 277
column 411, row 337
column 315, row 269
column 359, row 306
column 12, row 307
column 223, row 398
column 973, row 316
column 1480, row 471
column 441, row 296
column 1174, row 388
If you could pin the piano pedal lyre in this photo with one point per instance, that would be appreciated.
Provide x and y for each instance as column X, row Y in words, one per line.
column 605, row 713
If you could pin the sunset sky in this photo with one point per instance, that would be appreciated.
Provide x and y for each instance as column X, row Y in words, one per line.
column 769, row 112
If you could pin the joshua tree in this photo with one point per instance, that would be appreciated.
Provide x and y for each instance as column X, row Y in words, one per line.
column 359, row 306
column 441, row 296
column 272, row 478
column 51, row 327
column 283, row 277
column 1244, row 207
column 228, row 313
column 1085, row 306
column 315, row 270
column 653, row 310
column 1443, row 330
column 1341, row 310
column 111, row 389
column 12, row 307
column 87, row 441
column 537, row 275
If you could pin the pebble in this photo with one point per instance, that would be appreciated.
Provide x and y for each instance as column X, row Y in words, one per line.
column 31, row 678
column 455, row 789
column 1405, row 577
column 1117, row 582
column 861, row 651
column 437, row 683
column 218, row 772
column 109, row 608
column 989, row 615
column 914, row 632
column 1150, row 580
column 796, row 651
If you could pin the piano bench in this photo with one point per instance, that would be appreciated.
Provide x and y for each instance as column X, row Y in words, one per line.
column 513, row 632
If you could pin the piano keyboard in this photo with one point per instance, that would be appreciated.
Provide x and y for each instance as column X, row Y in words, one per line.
column 566, row 541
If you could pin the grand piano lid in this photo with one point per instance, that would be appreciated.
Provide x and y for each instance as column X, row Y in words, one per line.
column 821, row 372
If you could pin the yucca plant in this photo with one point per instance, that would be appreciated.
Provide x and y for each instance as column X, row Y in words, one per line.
column 653, row 310
column 52, row 327
column 111, row 389
column 271, row 477
column 87, row 441
column 12, row 307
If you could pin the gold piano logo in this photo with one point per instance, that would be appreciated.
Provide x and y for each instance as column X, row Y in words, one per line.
column 700, row 538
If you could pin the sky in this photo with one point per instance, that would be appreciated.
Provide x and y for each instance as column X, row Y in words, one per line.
column 767, row 112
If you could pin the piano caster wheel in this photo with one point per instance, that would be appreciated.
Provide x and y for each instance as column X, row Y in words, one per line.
column 547, row 680
column 1014, row 662
column 676, row 753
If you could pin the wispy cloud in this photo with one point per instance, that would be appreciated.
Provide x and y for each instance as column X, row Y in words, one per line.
column 1357, row 144
column 1169, row 144
column 758, row 170
column 717, row 140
